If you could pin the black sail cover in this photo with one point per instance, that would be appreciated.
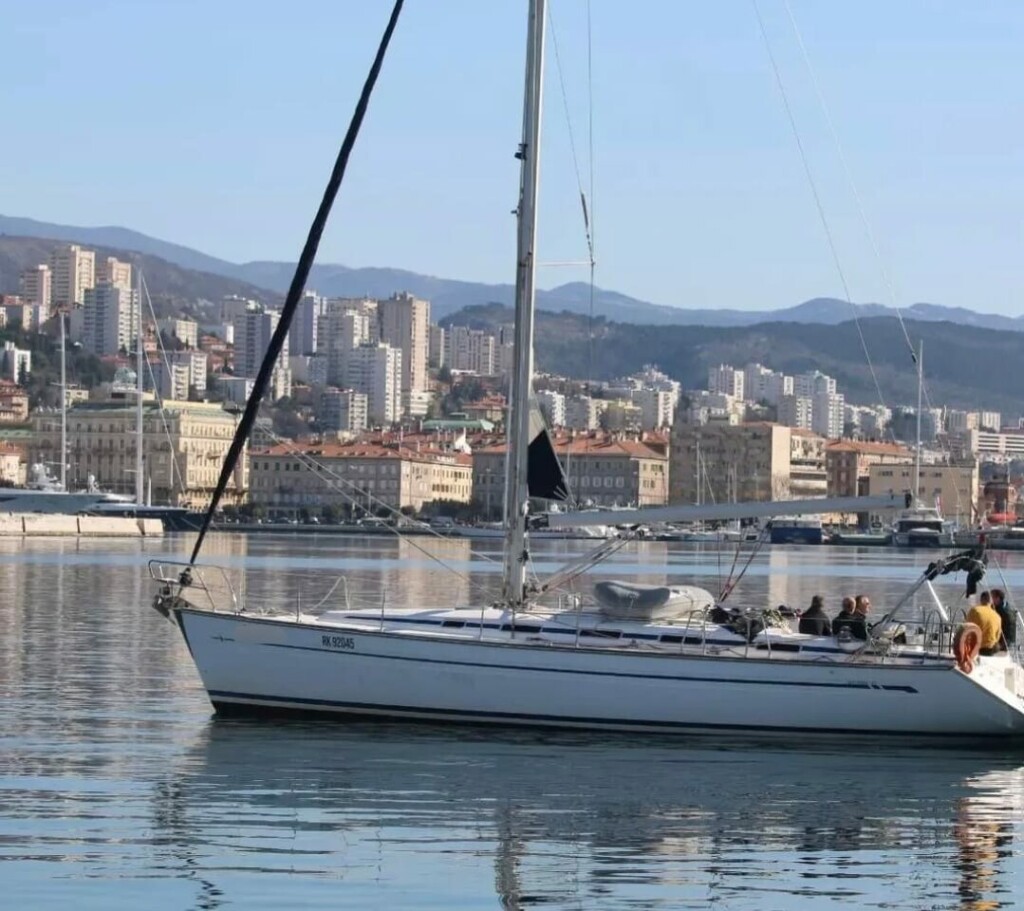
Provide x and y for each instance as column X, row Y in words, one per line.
column 544, row 475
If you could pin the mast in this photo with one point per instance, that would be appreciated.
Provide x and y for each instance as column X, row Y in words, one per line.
column 139, row 479
column 920, row 389
column 516, row 554
column 63, row 403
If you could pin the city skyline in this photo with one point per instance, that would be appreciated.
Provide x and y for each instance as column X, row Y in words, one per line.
column 700, row 199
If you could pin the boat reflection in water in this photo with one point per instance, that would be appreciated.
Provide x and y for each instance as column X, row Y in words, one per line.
column 408, row 816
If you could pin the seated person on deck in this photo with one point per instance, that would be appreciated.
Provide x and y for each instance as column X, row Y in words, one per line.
column 985, row 617
column 853, row 617
column 1007, row 615
column 814, row 621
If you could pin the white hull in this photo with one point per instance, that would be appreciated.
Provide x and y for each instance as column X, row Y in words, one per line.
column 21, row 499
column 922, row 539
column 540, row 534
column 283, row 665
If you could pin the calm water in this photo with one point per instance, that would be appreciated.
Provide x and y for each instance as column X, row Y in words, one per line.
column 118, row 789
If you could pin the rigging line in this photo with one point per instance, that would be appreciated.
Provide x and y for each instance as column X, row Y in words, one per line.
column 858, row 199
column 175, row 466
column 590, row 168
column 817, row 199
column 572, row 135
column 298, row 284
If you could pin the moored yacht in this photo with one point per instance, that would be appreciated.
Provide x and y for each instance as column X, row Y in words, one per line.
column 629, row 658
column 45, row 494
column 922, row 526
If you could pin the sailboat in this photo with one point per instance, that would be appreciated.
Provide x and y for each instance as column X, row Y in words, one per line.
column 659, row 659
column 920, row 525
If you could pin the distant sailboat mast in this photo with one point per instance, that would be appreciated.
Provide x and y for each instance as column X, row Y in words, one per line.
column 920, row 390
column 139, row 479
column 517, row 457
column 63, row 402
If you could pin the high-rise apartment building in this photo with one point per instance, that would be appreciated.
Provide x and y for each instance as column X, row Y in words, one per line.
column 796, row 411
column 827, row 414
column 110, row 318
column 342, row 410
column 302, row 338
column 73, row 270
column 405, row 325
column 112, row 271
column 253, row 330
column 36, row 287
column 376, row 371
column 552, row 406
column 726, row 380
column 470, row 349
column 813, row 383
column 340, row 331
column 436, row 347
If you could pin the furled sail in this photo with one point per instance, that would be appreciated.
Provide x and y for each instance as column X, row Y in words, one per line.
column 973, row 562
column 544, row 476
column 298, row 285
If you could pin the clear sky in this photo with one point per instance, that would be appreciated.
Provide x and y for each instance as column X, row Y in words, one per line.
column 214, row 124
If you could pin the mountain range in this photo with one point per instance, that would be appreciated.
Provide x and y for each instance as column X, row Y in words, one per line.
column 270, row 280
column 964, row 367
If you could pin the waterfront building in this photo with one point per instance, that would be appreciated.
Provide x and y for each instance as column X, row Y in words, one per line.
column 602, row 469
column 807, row 468
column 736, row 462
column 184, row 445
column 358, row 476
column 848, row 464
column 953, row 489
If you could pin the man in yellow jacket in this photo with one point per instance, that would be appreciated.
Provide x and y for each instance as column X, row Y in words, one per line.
column 990, row 623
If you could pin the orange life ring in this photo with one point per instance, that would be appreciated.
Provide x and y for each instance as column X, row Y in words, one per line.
column 966, row 646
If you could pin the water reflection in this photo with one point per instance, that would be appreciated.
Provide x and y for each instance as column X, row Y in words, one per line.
column 576, row 822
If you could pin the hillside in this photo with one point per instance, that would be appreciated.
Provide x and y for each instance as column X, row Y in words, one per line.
column 965, row 367
column 449, row 295
column 173, row 288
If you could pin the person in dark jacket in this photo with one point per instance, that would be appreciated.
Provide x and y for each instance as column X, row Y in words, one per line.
column 853, row 617
column 1007, row 615
column 814, row 621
